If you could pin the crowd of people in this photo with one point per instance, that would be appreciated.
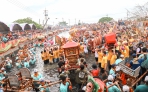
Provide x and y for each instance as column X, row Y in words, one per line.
column 130, row 47
column 24, row 58
column 5, row 37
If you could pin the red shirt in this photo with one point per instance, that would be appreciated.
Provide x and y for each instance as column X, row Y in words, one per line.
column 95, row 72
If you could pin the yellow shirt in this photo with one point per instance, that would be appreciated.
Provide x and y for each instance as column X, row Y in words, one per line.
column 118, row 46
column 131, row 40
column 81, row 49
column 61, row 52
column 50, row 57
column 123, row 53
column 104, row 61
column 127, row 51
column 57, row 53
column 113, row 59
column 54, row 54
column 109, row 56
column 100, row 56
column 43, row 57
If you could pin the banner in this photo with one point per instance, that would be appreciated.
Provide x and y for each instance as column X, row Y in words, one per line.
column 58, row 40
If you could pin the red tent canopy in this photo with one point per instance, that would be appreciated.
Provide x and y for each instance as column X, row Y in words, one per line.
column 70, row 44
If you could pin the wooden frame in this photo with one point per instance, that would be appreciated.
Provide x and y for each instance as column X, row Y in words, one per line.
column 72, row 54
column 19, row 82
column 128, row 71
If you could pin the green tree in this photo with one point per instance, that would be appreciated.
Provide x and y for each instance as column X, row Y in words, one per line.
column 63, row 23
column 105, row 19
column 29, row 21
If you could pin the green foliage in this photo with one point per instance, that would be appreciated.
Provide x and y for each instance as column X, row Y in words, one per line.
column 105, row 19
column 63, row 23
column 29, row 21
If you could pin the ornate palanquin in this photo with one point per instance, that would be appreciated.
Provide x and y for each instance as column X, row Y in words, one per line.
column 71, row 52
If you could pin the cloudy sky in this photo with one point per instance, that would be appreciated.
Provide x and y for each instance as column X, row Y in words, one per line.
column 88, row 11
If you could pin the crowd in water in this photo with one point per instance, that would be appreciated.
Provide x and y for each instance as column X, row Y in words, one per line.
column 130, row 47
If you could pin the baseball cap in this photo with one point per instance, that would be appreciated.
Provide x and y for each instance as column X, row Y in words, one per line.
column 126, row 88
column 110, row 77
column 118, row 68
column 35, row 70
column 42, row 80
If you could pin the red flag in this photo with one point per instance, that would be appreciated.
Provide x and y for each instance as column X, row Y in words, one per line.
column 58, row 40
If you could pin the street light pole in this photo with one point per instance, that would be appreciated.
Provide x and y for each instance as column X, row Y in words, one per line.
column 46, row 17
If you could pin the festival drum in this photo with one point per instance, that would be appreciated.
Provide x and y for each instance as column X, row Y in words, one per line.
column 97, row 41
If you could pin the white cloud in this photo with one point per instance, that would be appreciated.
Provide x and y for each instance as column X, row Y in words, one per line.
column 84, row 10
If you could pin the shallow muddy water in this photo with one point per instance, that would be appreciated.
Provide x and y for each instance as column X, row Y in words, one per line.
column 50, row 72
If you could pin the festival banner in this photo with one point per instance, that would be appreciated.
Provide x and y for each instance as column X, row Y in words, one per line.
column 57, row 40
